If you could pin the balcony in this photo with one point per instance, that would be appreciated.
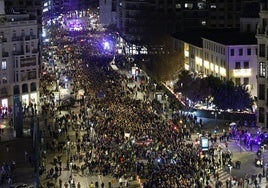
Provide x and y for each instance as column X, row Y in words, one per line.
column 35, row 50
column 17, row 53
column 29, row 37
column 17, row 38
column 5, row 54
column 4, row 39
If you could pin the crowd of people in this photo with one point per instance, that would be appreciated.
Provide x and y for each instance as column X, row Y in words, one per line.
column 119, row 135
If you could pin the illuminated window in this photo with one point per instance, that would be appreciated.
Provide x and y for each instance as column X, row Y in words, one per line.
column 201, row 5
column 178, row 6
column 188, row 5
column 213, row 6
column 262, row 69
column 4, row 65
column 204, row 22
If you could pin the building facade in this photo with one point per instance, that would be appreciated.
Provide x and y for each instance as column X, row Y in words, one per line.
column 262, row 77
column 19, row 58
column 226, row 59
column 141, row 22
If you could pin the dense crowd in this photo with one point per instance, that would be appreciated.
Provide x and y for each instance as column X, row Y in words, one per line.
column 119, row 135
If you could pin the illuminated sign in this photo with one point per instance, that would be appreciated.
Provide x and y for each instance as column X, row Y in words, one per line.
column 204, row 143
column 242, row 73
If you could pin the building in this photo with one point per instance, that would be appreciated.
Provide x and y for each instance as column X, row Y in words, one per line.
column 261, row 35
column 33, row 8
column 107, row 12
column 214, row 52
column 19, row 58
column 142, row 22
column 53, row 8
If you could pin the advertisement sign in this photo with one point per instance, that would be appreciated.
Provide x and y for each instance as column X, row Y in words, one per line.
column 204, row 143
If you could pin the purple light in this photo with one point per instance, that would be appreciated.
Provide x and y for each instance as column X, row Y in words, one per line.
column 75, row 25
column 106, row 45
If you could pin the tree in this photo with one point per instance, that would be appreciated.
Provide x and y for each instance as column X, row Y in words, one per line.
column 229, row 96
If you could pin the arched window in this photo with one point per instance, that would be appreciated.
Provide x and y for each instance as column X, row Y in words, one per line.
column 24, row 88
column 33, row 86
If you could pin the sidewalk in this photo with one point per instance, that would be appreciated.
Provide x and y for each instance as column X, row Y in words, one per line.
column 13, row 152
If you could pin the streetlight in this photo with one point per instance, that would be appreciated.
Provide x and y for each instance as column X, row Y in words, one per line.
column 71, row 169
column 215, row 113
column 230, row 168
column 263, row 164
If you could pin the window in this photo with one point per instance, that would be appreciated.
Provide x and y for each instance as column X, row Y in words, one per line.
column 178, row 6
column 14, row 33
column 261, row 92
column 213, row 6
column 246, row 65
column 4, row 65
column 232, row 52
column 4, row 79
column 237, row 81
column 22, row 33
column 237, row 65
column 262, row 69
column 246, row 81
column 249, row 51
column 240, row 51
column 262, row 50
column 188, row 5
column 203, row 22
column 261, row 115
column 14, row 47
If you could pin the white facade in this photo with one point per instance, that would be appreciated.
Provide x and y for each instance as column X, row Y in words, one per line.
column 243, row 66
column 235, row 62
column 19, row 60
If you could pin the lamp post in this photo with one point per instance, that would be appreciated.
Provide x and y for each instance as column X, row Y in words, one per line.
column 263, row 163
column 230, row 168
column 215, row 113
column 71, row 169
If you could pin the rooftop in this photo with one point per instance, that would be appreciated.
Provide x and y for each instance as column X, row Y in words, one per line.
column 222, row 36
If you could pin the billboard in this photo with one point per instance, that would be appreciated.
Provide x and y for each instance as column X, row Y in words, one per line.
column 204, row 143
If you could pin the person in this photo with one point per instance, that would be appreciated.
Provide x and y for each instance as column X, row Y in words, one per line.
column 260, row 177
column 66, row 185
column 92, row 185
column 256, row 182
column 60, row 183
